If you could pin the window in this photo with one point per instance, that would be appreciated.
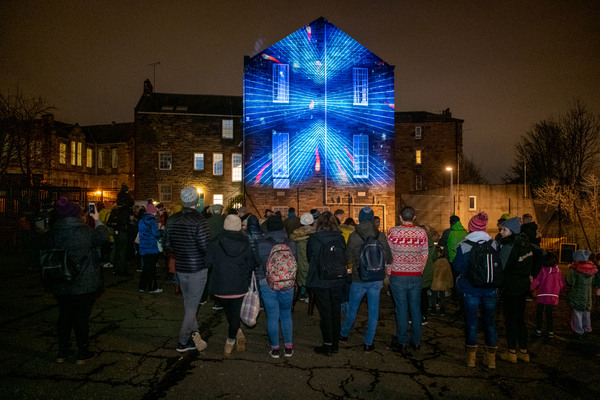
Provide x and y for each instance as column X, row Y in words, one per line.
column 227, row 129
column 199, row 161
column 79, row 147
column 361, row 156
column 281, row 164
column 361, row 86
column 236, row 167
column 114, row 183
column 65, row 182
column 418, row 182
column 62, row 153
column 218, row 199
column 418, row 157
column 217, row 163
column 165, row 193
column 115, row 158
column 281, row 83
column 73, row 152
column 75, row 182
column 165, row 161
column 89, row 162
column 86, row 184
column 418, row 132
column 100, row 158
column 472, row 202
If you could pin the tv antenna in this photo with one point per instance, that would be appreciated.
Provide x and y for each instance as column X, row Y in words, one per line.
column 153, row 65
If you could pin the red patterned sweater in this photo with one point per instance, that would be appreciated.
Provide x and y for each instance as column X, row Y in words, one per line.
column 409, row 250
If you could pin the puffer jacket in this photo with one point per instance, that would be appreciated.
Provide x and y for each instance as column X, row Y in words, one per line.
column 549, row 282
column 232, row 261
column 461, row 262
column 579, row 279
column 355, row 242
column 313, row 247
column 187, row 236
column 263, row 250
column 149, row 234
column 81, row 243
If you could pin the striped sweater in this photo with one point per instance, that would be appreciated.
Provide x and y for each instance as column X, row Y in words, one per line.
column 409, row 250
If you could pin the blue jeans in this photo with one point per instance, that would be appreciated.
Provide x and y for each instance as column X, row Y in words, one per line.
column 487, row 300
column 278, row 304
column 192, row 286
column 407, row 297
column 357, row 292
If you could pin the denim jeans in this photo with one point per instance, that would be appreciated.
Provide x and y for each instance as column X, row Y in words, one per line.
column 357, row 292
column 406, row 291
column 278, row 304
column 487, row 300
column 192, row 286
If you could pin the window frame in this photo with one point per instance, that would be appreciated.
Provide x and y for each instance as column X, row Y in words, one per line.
column 89, row 157
column 474, row 202
column 281, row 83
column 218, row 199
column 360, row 155
column 73, row 153
column 165, row 196
column 418, row 182
column 418, row 157
column 100, row 158
column 280, row 166
column 418, row 132
column 227, row 129
column 236, row 171
column 165, row 164
column 62, row 153
column 360, row 84
column 218, row 164
column 114, row 159
column 195, row 161
column 79, row 151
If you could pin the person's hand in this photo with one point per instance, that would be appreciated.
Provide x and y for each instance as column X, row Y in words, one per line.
column 95, row 215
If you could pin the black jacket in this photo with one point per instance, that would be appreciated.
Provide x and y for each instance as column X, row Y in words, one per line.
column 516, row 254
column 187, row 237
column 313, row 247
column 232, row 261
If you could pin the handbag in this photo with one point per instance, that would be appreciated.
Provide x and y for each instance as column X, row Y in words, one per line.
column 57, row 266
column 250, row 304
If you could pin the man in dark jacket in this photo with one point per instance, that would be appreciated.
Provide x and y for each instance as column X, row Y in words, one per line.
column 187, row 237
column 292, row 222
column 119, row 221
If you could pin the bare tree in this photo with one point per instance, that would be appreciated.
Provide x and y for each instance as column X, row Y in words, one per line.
column 470, row 173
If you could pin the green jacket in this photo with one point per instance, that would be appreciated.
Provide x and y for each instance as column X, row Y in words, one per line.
column 457, row 234
column 300, row 236
column 579, row 279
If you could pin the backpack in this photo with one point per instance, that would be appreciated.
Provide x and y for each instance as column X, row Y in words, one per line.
column 332, row 261
column 281, row 267
column 484, row 269
column 371, row 264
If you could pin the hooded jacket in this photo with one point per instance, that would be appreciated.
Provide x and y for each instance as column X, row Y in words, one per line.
column 549, row 282
column 456, row 235
column 461, row 261
column 355, row 241
column 232, row 261
column 579, row 279
column 300, row 236
column 149, row 234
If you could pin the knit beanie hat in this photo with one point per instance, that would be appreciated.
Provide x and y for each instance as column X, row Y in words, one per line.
column 189, row 196
column 366, row 214
column 454, row 219
column 581, row 255
column 274, row 223
column 216, row 209
column 232, row 223
column 67, row 208
column 478, row 222
column 504, row 217
column 513, row 224
column 151, row 209
column 315, row 214
column 306, row 219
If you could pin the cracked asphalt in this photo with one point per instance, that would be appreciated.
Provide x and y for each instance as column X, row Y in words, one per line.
column 135, row 334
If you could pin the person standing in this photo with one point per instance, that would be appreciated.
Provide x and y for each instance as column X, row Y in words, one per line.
column 292, row 222
column 149, row 234
column 187, row 237
column 119, row 221
column 300, row 236
column 548, row 283
column 410, row 250
column 579, row 280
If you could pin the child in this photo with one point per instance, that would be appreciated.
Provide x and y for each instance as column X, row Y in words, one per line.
column 580, row 276
column 442, row 281
column 549, row 282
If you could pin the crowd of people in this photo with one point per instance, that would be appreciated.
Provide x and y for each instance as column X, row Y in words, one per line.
column 327, row 260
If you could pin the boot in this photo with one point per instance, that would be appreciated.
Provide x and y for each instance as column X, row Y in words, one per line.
column 510, row 356
column 228, row 347
column 240, row 339
column 470, row 355
column 489, row 357
column 523, row 356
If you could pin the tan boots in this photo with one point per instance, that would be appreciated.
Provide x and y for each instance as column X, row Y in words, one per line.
column 489, row 357
column 470, row 355
column 240, row 340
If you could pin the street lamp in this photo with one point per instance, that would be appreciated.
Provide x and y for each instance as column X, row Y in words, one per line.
column 451, row 189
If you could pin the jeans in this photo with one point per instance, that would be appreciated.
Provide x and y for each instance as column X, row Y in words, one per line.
column 232, row 307
column 406, row 291
column 357, row 292
column 487, row 301
column 278, row 304
column 514, row 317
column 329, row 304
column 581, row 322
column 192, row 286
column 539, row 316
column 148, row 277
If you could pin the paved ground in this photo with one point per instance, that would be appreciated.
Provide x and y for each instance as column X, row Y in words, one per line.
column 135, row 337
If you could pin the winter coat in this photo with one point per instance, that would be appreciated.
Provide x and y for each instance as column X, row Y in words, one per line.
column 355, row 242
column 149, row 234
column 81, row 243
column 263, row 250
column 549, row 282
column 530, row 230
column 232, row 261
column 346, row 231
column 431, row 258
column 291, row 224
column 300, row 236
column 187, row 236
column 461, row 262
column 253, row 231
column 313, row 247
column 215, row 225
column 579, row 279
column 456, row 235
column 442, row 275
column 516, row 255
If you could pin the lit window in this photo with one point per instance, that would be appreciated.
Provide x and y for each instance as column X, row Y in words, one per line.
column 62, row 153
column 227, row 129
column 165, row 161
column 281, row 154
column 218, row 199
column 472, row 202
column 418, row 182
column 418, row 132
column 73, row 153
column 361, row 86
column 115, row 158
column 236, row 167
column 165, row 193
column 418, row 157
column 89, row 162
column 100, row 158
column 281, row 83
column 199, row 161
column 79, row 147
column 361, row 156
column 217, row 163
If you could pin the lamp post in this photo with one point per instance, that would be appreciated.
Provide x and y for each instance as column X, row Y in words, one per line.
column 451, row 189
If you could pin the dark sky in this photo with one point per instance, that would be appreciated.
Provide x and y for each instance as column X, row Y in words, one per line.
column 500, row 67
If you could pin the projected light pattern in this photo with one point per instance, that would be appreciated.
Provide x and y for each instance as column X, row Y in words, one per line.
column 322, row 103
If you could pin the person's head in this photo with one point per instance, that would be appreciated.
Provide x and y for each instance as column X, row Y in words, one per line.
column 124, row 188
column 242, row 211
column 216, row 209
column 327, row 222
column 407, row 215
column 550, row 259
column 478, row 222
column 510, row 226
column 268, row 213
column 315, row 214
column 376, row 221
column 350, row 222
column 365, row 215
column 582, row 255
column 232, row 223
column 306, row 219
column 339, row 214
column 454, row 219
column 189, row 196
column 151, row 209
column 232, row 211
column 68, row 208
column 150, row 201
column 439, row 251
column 527, row 218
column 291, row 212
column 274, row 223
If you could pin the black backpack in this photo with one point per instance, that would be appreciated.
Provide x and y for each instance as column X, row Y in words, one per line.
column 371, row 264
column 332, row 260
column 484, row 269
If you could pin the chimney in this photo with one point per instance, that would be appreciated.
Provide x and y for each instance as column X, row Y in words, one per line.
column 148, row 87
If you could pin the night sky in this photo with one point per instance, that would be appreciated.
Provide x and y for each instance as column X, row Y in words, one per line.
column 500, row 67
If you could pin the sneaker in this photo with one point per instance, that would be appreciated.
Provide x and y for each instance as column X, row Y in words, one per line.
column 84, row 356
column 369, row 348
column 107, row 265
column 63, row 355
column 201, row 303
column 156, row 291
column 182, row 348
column 288, row 351
column 228, row 347
column 424, row 320
column 538, row 333
column 343, row 338
column 198, row 342
column 523, row 356
column 138, row 270
column 217, row 307
column 274, row 353
column 550, row 334
column 142, row 290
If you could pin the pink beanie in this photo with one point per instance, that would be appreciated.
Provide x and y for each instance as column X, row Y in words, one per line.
column 478, row 222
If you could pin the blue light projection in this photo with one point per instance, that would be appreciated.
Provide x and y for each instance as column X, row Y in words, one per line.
column 308, row 99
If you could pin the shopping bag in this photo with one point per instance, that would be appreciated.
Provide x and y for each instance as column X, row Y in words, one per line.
column 250, row 304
